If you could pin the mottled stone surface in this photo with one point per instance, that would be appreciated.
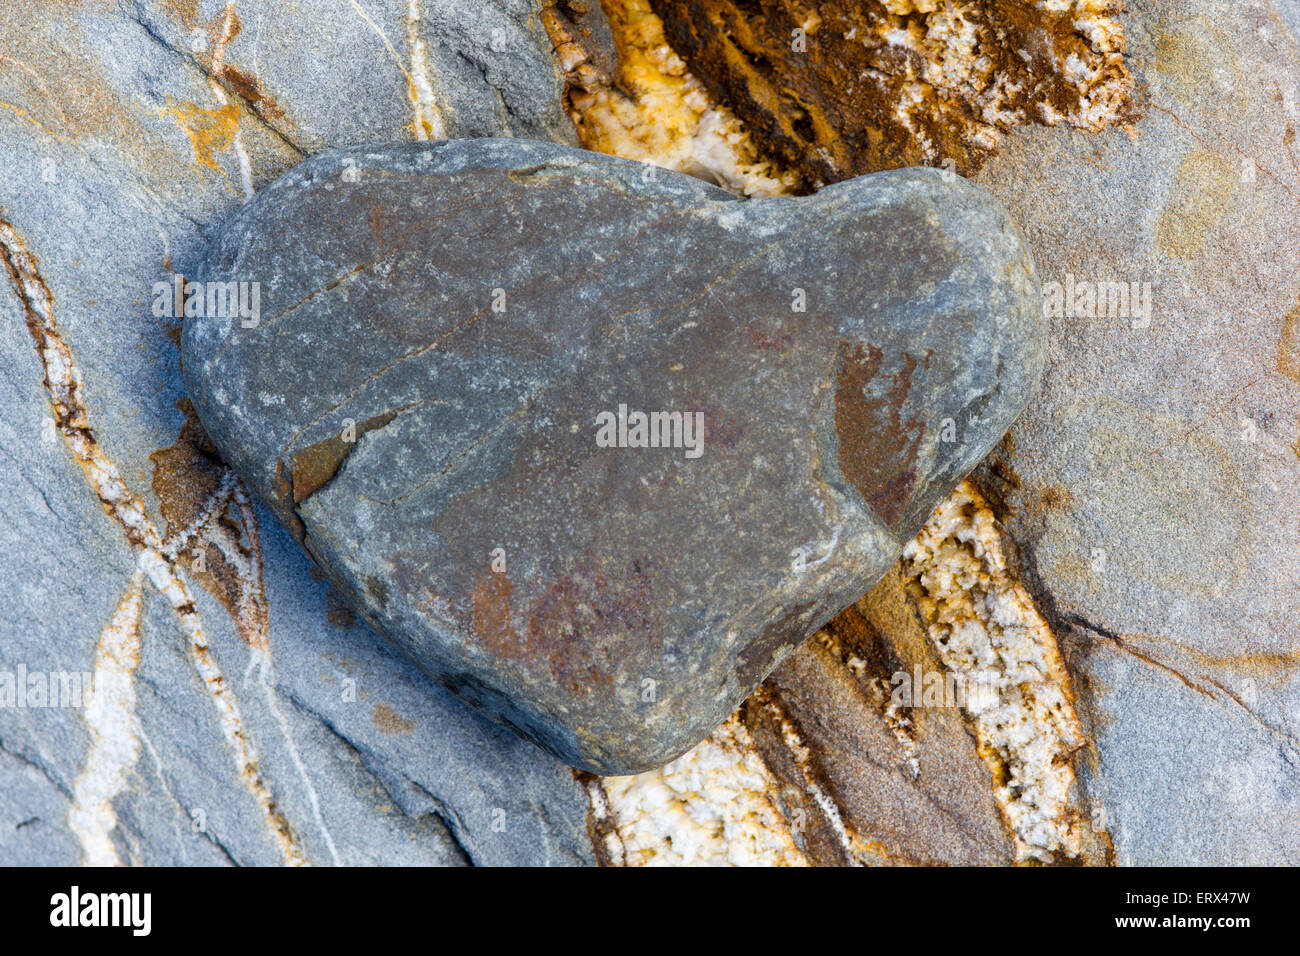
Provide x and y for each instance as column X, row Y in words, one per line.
column 118, row 160
column 468, row 309
column 112, row 140
column 1153, row 486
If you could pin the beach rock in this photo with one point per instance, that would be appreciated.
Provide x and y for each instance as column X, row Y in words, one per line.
column 1153, row 486
column 128, row 133
column 447, row 363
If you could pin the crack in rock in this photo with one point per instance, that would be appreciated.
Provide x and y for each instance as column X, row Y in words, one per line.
column 62, row 379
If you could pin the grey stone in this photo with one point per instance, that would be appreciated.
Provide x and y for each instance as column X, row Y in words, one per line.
column 441, row 328
column 117, row 162
column 486, row 69
column 100, row 177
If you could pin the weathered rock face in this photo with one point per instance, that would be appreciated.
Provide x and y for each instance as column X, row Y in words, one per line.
column 252, row 720
column 134, row 130
column 1154, row 485
column 447, row 331
column 845, row 87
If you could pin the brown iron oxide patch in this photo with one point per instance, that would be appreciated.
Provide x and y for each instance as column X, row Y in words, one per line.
column 877, row 449
column 337, row 611
column 187, row 480
column 492, row 623
column 578, row 618
column 1288, row 346
column 249, row 89
column 186, row 474
column 389, row 721
column 1288, row 350
column 577, row 625
column 211, row 131
column 841, row 88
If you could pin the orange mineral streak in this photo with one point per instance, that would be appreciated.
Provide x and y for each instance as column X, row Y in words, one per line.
column 210, row 131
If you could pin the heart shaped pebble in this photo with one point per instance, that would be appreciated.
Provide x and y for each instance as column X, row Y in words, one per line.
column 598, row 444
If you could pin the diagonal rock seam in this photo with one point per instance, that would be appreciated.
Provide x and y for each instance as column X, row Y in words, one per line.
column 426, row 115
column 987, row 631
column 62, row 380
column 656, row 112
column 244, row 89
column 383, row 770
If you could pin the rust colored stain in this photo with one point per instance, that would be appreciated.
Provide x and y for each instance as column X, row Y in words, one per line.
column 283, row 486
column 1265, row 666
column 877, row 450
column 577, row 619
column 186, row 474
column 284, row 492
column 187, row 478
column 185, row 11
column 389, row 721
column 210, row 131
column 493, row 622
column 223, row 28
column 250, row 91
column 316, row 465
column 1202, row 196
column 376, row 222
column 1056, row 497
column 781, row 343
column 337, row 611
column 852, row 635
column 1288, row 346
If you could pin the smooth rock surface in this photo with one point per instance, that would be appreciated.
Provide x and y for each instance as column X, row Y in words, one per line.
column 118, row 160
column 442, row 326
